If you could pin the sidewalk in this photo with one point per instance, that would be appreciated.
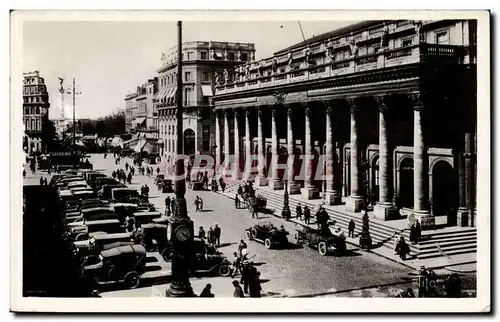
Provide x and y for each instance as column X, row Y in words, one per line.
column 461, row 263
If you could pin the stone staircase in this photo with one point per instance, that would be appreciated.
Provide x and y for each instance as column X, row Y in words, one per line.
column 434, row 243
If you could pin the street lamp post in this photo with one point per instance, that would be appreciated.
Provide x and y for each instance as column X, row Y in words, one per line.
column 180, row 229
column 285, row 213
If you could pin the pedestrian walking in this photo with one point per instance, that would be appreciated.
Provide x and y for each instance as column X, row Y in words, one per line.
column 126, row 166
column 129, row 178
column 241, row 246
column 197, row 203
column 254, row 283
column 412, row 233
column 217, row 232
column 238, row 292
column 207, row 291
column 255, row 213
column 236, row 264
column 200, row 203
column 418, row 231
column 236, row 202
column 210, row 236
column 201, row 233
column 298, row 211
column 240, row 189
column 351, row 228
column 45, row 182
column 307, row 215
column 167, row 204
column 245, row 276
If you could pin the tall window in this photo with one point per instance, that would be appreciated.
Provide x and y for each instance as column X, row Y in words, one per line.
column 187, row 96
column 32, row 125
column 203, row 55
column 190, row 55
column 442, row 38
column 187, row 76
column 206, row 77
column 206, row 137
column 230, row 56
column 37, row 124
column 406, row 42
column 38, row 110
column 244, row 56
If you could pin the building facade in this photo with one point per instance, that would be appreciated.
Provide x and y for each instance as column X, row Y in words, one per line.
column 203, row 63
column 140, row 113
column 35, row 108
column 386, row 110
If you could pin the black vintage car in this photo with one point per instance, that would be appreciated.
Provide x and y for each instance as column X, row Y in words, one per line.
column 267, row 233
column 322, row 239
column 123, row 264
column 165, row 185
column 196, row 185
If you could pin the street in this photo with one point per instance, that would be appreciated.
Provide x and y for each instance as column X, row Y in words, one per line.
column 298, row 271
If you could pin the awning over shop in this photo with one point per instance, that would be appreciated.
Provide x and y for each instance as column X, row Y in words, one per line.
column 171, row 96
column 160, row 141
column 167, row 95
column 149, row 148
column 130, row 143
column 138, row 148
column 162, row 95
column 139, row 120
column 206, row 90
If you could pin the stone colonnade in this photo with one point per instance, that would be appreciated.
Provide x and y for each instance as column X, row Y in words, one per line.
column 385, row 208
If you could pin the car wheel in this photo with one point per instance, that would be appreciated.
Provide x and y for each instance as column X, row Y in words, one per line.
column 268, row 243
column 296, row 238
column 167, row 254
column 248, row 235
column 224, row 270
column 254, row 233
column 132, row 280
column 322, row 249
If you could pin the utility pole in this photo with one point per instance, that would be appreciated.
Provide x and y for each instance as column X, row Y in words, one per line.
column 180, row 229
column 74, row 93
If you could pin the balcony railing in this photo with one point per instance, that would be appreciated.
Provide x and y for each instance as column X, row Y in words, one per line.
column 382, row 59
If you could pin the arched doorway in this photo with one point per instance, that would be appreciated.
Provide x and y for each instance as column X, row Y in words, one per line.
column 405, row 189
column 444, row 191
column 375, row 182
column 189, row 142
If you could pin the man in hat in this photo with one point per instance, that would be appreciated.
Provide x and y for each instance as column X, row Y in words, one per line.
column 298, row 211
column 217, row 232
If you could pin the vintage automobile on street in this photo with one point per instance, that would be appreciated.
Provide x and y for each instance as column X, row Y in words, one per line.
column 105, row 192
column 165, row 185
column 322, row 239
column 208, row 260
column 146, row 217
column 159, row 178
column 123, row 265
column 196, row 185
column 108, row 226
column 101, row 181
column 268, row 234
column 124, row 210
column 97, row 243
column 154, row 237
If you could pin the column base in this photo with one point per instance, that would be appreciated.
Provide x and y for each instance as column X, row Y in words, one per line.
column 354, row 203
column 293, row 188
column 427, row 221
column 463, row 219
column 385, row 212
column 261, row 181
column 333, row 198
column 276, row 184
column 310, row 193
column 235, row 175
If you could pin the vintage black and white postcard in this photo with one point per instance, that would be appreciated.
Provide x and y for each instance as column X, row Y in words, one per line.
column 312, row 161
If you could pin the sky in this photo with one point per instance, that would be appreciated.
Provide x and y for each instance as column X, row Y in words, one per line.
column 110, row 59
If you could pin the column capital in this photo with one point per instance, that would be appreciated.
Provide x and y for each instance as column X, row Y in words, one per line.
column 247, row 112
column 236, row 112
column 226, row 113
column 307, row 111
column 259, row 112
column 329, row 110
column 289, row 111
column 352, row 103
column 274, row 111
column 381, row 103
column 416, row 101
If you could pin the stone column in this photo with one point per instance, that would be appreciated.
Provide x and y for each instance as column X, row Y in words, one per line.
column 309, row 191
column 248, row 146
column 226, row 139
column 420, row 167
column 294, row 187
column 275, row 183
column 355, row 201
column 333, row 195
column 261, row 150
column 462, row 213
column 236, row 168
column 384, row 209
column 218, row 141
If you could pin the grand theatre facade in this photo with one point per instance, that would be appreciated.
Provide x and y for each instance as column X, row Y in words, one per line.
column 385, row 109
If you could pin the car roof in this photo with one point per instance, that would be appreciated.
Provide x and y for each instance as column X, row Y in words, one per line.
column 123, row 189
column 124, row 204
column 147, row 213
column 112, row 236
column 138, row 249
column 102, row 208
column 102, row 222
column 153, row 225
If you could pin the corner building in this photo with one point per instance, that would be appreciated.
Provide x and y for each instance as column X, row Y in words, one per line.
column 203, row 64
column 35, row 109
column 389, row 105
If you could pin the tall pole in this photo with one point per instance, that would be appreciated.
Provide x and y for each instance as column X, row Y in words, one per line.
column 74, row 126
column 181, row 227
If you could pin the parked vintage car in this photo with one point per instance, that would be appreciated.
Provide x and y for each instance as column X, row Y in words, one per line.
column 97, row 243
column 268, row 234
column 208, row 260
column 146, row 217
column 153, row 237
column 165, row 185
column 123, row 265
column 105, row 192
column 159, row 178
column 196, row 185
column 322, row 239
